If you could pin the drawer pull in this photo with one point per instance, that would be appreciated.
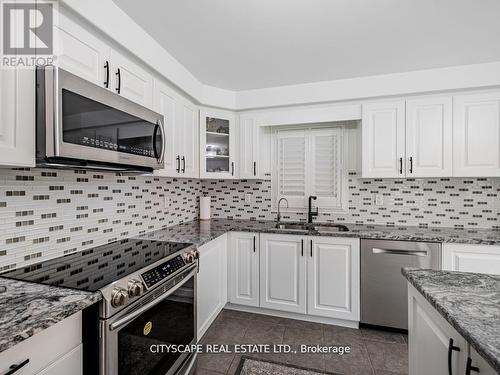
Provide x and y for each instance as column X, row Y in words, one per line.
column 376, row 250
column 451, row 348
column 15, row 368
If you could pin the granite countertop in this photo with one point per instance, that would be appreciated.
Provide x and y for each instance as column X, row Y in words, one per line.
column 28, row 308
column 199, row 232
column 470, row 302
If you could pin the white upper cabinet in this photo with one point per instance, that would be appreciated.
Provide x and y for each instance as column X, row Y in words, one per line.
column 429, row 137
column 383, row 139
column 17, row 117
column 476, row 135
column 283, row 272
column 333, row 277
column 243, row 276
column 217, row 144
column 130, row 80
column 181, row 132
column 249, row 162
column 471, row 258
column 189, row 150
column 82, row 54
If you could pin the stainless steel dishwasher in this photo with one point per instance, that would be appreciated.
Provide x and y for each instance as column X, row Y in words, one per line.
column 384, row 296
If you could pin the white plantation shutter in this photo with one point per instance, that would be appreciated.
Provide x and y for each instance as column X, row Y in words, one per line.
column 291, row 166
column 309, row 161
column 326, row 166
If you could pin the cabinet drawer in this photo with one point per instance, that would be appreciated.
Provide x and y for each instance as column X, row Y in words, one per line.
column 70, row 363
column 45, row 347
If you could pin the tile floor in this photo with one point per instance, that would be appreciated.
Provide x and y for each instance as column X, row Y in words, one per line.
column 373, row 352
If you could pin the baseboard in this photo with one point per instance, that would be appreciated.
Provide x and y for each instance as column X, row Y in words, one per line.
column 289, row 315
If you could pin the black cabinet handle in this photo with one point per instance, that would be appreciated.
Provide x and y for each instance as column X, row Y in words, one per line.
column 178, row 161
column 302, row 244
column 15, row 368
column 254, row 245
column 400, row 165
column 254, row 168
column 311, row 243
column 411, row 164
column 469, row 367
column 232, row 168
column 183, row 164
column 119, row 76
column 451, row 348
column 106, row 82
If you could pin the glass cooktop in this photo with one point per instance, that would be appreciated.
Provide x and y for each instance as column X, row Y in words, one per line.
column 95, row 268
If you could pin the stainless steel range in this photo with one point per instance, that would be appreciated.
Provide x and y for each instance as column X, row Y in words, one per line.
column 149, row 299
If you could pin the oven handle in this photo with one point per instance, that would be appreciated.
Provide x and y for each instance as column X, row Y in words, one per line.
column 136, row 313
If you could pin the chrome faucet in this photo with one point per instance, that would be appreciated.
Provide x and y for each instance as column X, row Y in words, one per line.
column 278, row 218
column 310, row 212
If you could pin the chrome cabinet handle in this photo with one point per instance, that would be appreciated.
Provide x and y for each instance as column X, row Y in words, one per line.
column 451, row 348
column 119, row 76
column 178, row 161
column 183, row 164
column 377, row 250
column 15, row 368
column 106, row 82
column 136, row 313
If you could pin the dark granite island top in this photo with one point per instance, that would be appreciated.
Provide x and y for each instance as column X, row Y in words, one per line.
column 199, row 232
column 470, row 302
column 28, row 308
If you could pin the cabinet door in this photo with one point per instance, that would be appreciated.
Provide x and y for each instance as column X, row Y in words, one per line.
column 131, row 81
column 165, row 103
column 70, row 363
column 481, row 364
column 476, row 135
column 383, row 139
column 333, row 277
column 190, row 150
column 17, row 117
column 429, row 339
column 429, row 137
column 217, row 144
column 249, row 147
column 82, row 54
column 243, row 287
column 471, row 258
column 283, row 273
column 212, row 282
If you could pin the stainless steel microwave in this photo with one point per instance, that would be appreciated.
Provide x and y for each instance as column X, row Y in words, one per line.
column 82, row 125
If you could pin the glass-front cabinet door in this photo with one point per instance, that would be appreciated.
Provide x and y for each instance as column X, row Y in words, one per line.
column 218, row 144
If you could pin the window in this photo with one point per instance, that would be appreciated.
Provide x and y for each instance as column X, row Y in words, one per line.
column 309, row 161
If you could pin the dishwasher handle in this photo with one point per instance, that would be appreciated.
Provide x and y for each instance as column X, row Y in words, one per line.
column 417, row 253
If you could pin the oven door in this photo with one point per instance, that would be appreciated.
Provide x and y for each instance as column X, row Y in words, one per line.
column 131, row 341
column 90, row 123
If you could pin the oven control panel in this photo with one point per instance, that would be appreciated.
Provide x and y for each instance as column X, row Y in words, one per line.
column 163, row 271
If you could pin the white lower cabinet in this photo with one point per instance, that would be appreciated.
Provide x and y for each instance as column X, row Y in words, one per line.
column 212, row 282
column 333, row 277
column 471, row 258
column 56, row 350
column 283, row 272
column 310, row 275
column 243, row 276
column 432, row 339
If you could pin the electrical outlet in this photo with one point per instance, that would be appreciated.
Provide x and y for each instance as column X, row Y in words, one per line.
column 379, row 199
column 248, row 198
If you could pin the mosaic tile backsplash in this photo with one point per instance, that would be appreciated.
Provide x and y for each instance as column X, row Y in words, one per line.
column 436, row 202
column 45, row 213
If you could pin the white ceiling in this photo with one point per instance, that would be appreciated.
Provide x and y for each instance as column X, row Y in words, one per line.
column 249, row 44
